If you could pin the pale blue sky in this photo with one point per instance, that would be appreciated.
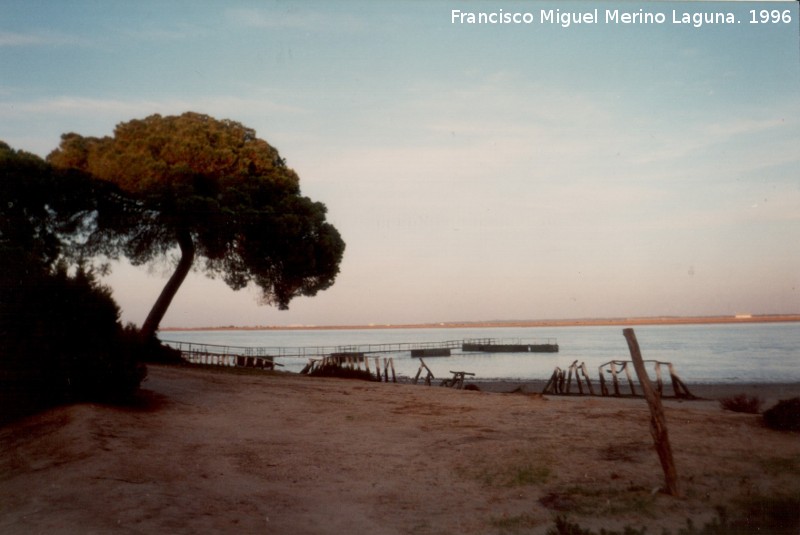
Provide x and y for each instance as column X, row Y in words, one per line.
column 475, row 172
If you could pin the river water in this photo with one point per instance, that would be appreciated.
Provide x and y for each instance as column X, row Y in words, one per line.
column 725, row 353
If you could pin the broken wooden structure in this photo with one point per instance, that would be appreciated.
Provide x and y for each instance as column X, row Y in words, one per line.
column 352, row 362
column 212, row 358
column 615, row 368
column 428, row 377
column 560, row 381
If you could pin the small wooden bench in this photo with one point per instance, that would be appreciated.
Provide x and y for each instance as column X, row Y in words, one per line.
column 457, row 381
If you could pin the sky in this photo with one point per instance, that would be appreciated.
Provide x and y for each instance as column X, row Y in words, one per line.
column 476, row 171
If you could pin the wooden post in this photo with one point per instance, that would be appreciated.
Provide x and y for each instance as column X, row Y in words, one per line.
column 586, row 376
column 603, row 387
column 659, row 381
column 658, row 423
column 614, row 378
column 550, row 387
column 578, row 379
column 630, row 380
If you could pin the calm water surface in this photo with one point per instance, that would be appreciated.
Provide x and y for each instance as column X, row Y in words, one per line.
column 755, row 352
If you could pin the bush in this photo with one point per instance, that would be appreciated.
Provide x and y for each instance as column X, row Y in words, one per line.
column 742, row 403
column 63, row 342
column 785, row 416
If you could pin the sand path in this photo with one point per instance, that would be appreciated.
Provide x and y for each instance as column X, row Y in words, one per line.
column 223, row 452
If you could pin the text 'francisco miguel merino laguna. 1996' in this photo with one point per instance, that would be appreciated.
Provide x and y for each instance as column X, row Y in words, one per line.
column 616, row 16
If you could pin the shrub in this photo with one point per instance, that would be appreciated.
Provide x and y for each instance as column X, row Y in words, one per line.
column 63, row 342
column 742, row 403
column 785, row 416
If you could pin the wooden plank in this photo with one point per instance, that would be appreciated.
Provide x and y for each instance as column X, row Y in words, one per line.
column 658, row 422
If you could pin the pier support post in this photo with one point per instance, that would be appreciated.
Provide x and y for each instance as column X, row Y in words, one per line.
column 658, row 423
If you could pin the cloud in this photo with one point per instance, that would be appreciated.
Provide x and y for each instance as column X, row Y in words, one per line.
column 15, row 39
column 68, row 105
column 36, row 125
column 178, row 33
column 294, row 19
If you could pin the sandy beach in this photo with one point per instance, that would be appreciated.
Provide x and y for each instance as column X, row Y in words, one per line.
column 208, row 451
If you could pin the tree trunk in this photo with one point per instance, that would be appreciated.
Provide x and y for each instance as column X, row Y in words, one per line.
column 171, row 288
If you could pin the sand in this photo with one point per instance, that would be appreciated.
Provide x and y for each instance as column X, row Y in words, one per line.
column 206, row 452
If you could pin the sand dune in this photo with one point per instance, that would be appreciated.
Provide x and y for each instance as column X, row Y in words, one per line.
column 223, row 452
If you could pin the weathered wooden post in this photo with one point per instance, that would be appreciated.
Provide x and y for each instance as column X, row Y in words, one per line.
column 659, row 381
column 586, row 376
column 614, row 377
column 658, row 423
column 630, row 380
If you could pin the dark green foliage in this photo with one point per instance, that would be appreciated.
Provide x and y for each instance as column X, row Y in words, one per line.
column 49, row 214
column 776, row 515
column 62, row 342
column 217, row 191
column 565, row 527
column 60, row 336
column 785, row 416
column 742, row 403
column 153, row 351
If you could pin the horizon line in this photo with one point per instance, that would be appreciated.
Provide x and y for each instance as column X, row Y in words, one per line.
column 564, row 322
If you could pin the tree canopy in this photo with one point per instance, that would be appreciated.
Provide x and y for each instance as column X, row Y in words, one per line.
column 214, row 189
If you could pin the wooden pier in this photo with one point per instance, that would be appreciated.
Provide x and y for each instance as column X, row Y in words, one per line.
column 314, row 351
column 494, row 345
column 264, row 357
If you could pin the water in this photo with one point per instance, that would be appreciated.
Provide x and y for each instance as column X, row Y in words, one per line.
column 728, row 353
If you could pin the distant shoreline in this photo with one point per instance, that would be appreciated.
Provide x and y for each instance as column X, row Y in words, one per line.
column 588, row 322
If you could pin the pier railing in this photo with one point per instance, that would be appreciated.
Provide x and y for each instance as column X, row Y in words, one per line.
column 306, row 352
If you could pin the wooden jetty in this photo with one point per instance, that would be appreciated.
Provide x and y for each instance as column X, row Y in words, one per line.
column 191, row 350
column 431, row 352
column 494, row 345
column 218, row 356
column 316, row 351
